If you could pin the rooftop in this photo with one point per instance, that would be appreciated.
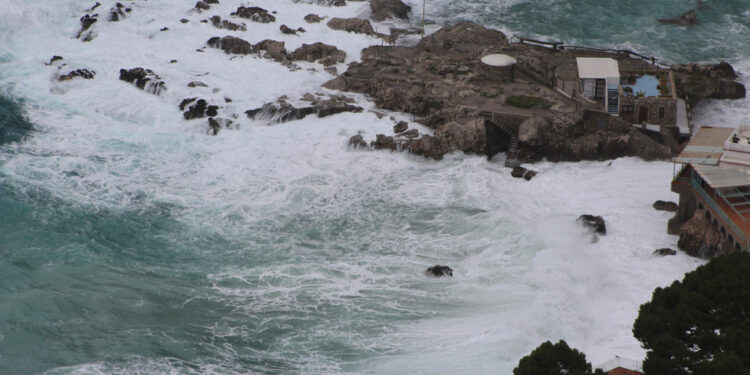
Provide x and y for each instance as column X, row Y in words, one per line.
column 597, row 67
column 706, row 146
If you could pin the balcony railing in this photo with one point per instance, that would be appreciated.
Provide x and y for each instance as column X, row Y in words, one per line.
column 695, row 183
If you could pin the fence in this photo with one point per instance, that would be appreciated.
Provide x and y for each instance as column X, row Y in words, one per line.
column 555, row 46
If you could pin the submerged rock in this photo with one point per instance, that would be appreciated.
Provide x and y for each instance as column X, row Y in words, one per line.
column 688, row 18
column 118, row 12
column 357, row 142
column 594, row 223
column 439, row 271
column 86, row 22
column 400, row 127
column 231, row 44
column 200, row 109
column 144, row 79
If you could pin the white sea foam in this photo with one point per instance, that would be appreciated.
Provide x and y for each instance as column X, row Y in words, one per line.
column 344, row 235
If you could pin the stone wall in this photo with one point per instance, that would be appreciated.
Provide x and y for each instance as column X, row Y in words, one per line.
column 659, row 111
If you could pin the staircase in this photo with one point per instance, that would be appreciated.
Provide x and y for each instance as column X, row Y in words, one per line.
column 511, row 160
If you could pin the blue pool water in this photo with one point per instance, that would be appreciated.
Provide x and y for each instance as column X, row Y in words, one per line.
column 648, row 84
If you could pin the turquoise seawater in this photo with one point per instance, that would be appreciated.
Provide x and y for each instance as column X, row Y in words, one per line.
column 126, row 249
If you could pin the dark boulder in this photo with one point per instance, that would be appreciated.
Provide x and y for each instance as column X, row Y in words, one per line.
column 198, row 110
column 664, row 252
column 287, row 30
column 80, row 73
column 438, row 271
column 521, row 172
column 665, row 206
column 384, row 142
column 400, row 127
column 144, row 79
column 254, row 14
column 384, row 9
column 53, row 60
column 594, row 223
column 202, row 5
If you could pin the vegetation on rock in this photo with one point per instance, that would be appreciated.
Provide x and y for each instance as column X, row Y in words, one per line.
column 549, row 359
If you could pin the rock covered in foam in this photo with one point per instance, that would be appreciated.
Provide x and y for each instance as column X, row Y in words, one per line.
column 594, row 223
column 144, row 79
column 384, row 9
column 439, row 271
column 320, row 52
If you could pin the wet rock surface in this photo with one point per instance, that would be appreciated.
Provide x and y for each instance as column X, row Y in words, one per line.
column 199, row 108
column 688, row 18
column 313, row 18
column 594, row 223
column 439, row 271
column 231, row 44
column 521, row 172
column 78, row 73
column 144, row 79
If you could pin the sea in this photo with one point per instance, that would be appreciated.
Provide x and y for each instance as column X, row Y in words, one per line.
column 131, row 242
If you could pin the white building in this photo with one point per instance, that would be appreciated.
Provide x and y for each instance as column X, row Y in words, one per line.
column 600, row 79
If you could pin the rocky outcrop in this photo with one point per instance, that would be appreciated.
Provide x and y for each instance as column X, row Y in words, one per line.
column 665, row 206
column 228, row 25
column 440, row 81
column 144, row 79
column 696, row 82
column 320, row 52
column 352, row 25
column 78, row 73
column 688, row 18
column 281, row 111
column 254, row 14
column 700, row 238
column 287, row 30
column 202, row 5
column 594, row 223
column 384, row 9
column 439, row 271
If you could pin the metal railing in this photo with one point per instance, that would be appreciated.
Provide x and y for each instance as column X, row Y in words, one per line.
column 628, row 364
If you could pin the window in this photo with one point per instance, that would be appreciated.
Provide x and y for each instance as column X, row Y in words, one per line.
column 628, row 108
column 661, row 112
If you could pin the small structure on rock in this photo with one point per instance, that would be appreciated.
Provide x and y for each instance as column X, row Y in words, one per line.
column 499, row 67
column 600, row 78
column 713, row 216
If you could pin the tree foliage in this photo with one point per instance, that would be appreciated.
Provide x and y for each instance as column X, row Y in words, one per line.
column 702, row 324
column 557, row 359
